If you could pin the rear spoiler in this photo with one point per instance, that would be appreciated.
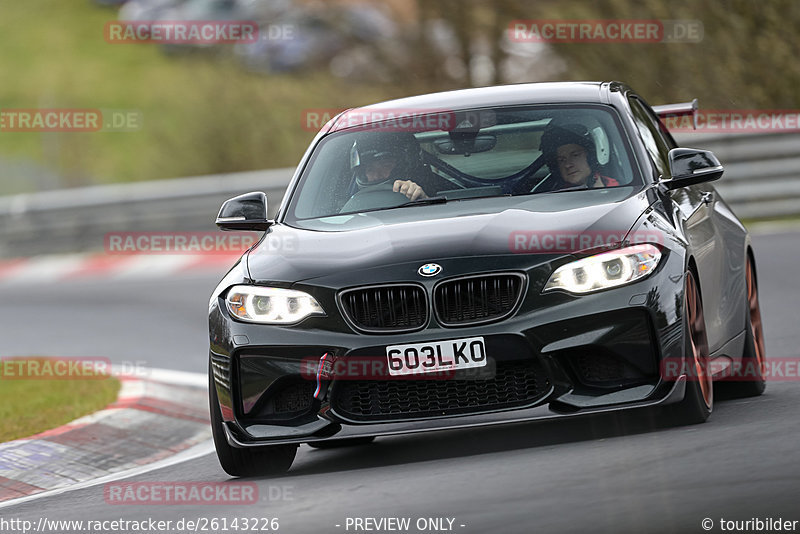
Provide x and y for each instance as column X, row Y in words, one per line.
column 678, row 110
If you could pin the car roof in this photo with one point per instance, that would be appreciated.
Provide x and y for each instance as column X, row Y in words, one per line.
column 482, row 97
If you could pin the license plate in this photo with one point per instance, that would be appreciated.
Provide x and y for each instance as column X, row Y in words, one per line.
column 436, row 356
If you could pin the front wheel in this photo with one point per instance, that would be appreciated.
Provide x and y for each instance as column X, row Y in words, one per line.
column 698, row 401
column 257, row 461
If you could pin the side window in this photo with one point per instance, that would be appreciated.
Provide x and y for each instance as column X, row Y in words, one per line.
column 665, row 135
column 650, row 130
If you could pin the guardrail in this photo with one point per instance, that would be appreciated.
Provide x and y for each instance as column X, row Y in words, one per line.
column 762, row 171
column 762, row 179
column 76, row 220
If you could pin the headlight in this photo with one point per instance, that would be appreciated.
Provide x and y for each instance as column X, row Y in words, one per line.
column 609, row 269
column 271, row 305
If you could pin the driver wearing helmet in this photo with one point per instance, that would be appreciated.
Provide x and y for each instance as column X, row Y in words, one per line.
column 384, row 158
column 570, row 153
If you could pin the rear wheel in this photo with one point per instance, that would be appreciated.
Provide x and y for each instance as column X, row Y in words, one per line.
column 336, row 443
column 698, row 401
column 748, row 381
column 268, row 460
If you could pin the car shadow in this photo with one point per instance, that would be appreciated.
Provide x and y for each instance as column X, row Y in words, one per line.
column 447, row 444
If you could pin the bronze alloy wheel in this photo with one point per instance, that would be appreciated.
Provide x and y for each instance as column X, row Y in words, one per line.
column 749, row 380
column 698, row 398
column 756, row 328
column 698, row 341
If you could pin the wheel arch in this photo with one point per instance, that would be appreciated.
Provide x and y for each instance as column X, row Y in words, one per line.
column 691, row 265
column 750, row 255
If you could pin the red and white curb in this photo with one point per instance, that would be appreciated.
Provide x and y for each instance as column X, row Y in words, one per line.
column 157, row 415
column 57, row 268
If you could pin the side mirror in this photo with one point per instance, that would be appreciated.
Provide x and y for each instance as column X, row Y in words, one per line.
column 245, row 212
column 690, row 166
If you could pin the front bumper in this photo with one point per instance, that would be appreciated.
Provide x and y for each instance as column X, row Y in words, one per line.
column 596, row 353
column 259, row 435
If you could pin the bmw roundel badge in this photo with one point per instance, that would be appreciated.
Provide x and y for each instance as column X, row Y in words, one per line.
column 430, row 269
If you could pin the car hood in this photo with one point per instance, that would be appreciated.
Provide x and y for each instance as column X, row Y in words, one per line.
column 458, row 229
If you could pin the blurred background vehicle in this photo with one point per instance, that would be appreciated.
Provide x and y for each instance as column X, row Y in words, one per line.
column 136, row 10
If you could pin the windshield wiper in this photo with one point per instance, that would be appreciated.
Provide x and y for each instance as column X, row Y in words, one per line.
column 423, row 202
column 574, row 188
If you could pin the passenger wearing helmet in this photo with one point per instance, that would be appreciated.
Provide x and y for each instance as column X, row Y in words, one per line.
column 570, row 153
column 380, row 158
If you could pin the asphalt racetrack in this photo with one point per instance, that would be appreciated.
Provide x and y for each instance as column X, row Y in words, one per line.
column 599, row 474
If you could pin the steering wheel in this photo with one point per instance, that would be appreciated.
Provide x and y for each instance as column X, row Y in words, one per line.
column 374, row 197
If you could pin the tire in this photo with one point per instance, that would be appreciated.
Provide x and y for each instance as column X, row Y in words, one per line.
column 698, row 401
column 268, row 460
column 749, row 380
column 337, row 443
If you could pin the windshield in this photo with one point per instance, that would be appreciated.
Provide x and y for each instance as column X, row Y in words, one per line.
column 461, row 156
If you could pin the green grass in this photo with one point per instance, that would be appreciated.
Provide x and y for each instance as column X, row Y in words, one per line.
column 787, row 219
column 29, row 406
column 201, row 114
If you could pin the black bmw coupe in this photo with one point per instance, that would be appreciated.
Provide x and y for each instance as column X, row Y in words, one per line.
column 481, row 257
